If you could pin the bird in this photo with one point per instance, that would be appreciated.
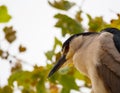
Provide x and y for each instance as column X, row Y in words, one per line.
column 96, row 55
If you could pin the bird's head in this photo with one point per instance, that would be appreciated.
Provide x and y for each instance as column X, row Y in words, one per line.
column 70, row 46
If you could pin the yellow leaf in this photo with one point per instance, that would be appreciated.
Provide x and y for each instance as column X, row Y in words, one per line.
column 22, row 48
column 116, row 22
column 10, row 34
column 78, row 16
column 53, row 88
column 4, row 16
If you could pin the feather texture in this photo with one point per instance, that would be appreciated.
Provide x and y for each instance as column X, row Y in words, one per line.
column 109, row 68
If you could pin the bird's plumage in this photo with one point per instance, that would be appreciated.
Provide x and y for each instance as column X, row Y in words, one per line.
column 67, row 42
column 109, row 68
column 97, row 55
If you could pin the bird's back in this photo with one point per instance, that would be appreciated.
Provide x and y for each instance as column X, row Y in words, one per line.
column 109, row 69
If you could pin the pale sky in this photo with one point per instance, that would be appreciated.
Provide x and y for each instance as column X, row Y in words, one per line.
column 33, row 20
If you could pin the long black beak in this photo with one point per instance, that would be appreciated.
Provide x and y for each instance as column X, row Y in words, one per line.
column 60, row 62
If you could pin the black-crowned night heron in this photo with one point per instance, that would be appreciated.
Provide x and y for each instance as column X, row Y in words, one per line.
column 97, row 55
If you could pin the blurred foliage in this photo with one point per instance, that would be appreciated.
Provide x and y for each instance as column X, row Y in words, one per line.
column 62, row 4
column 64, row 80
column 78, row 16
column 22, row 48
column 68, row 25
column 9, row 34
column 4, row 16
column 96, row 24
column 116, row 22
column 6, row 89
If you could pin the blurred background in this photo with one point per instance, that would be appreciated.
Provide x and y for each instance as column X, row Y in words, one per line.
column 31, row 36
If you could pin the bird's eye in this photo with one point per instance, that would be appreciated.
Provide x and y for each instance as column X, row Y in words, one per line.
column 65, row 49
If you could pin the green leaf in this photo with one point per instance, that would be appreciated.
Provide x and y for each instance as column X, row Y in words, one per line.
column 56, row 43
column 68, row 25
column 68, row 83
column 96, row 24
column 40, row 74
column 78, row 16
column 62, row 4
column 22, row 77
column 41, row 86
column 116, row 22
column 65, row 90
column 6, row 89
column 57, row 56
column 28, row 91
column 4, row 16
column 49, row 54
column 30, row 80
column 80, row 76
column 10, row 34
column 55, row 77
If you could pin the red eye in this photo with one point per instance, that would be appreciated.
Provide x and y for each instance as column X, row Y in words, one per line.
column 66, row 49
